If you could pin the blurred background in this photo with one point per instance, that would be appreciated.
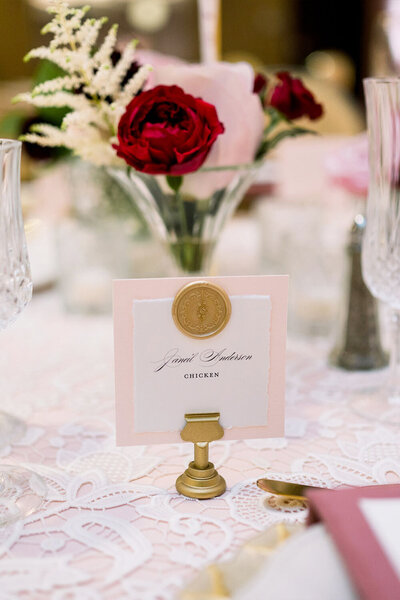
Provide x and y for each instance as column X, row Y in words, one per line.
column 339, row 42
column 309, row 191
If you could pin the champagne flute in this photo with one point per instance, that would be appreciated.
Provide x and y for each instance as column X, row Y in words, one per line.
column 21, row 490
column 381, row 243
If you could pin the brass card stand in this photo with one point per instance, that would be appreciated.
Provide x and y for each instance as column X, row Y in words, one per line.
column 201, row 310
column 201, row 480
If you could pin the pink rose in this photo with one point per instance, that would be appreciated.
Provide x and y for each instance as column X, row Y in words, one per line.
column 157, row 59
column 229, row 87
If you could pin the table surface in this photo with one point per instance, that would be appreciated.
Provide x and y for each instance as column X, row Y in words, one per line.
column 112, row 526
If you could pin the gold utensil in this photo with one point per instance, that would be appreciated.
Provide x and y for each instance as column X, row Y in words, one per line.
column 285, row 488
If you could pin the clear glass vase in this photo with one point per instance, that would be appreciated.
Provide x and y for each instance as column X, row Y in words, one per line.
column 189, row 225
column 381, row 243
column 104, row 238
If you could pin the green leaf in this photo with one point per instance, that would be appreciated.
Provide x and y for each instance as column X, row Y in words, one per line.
column 274, row 113
column 275, row 118
column 267, row 145
column 11, row 125
column 174, row 182
column 52, row 114
column 47, row 70
column 262, row 149
column 293, row 132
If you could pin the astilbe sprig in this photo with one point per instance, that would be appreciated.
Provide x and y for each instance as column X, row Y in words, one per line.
column 92, row 87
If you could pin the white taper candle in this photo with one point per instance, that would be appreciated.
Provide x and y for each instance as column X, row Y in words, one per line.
column 209, row 29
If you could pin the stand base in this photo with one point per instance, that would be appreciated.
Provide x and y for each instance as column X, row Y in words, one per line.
column 200, row 483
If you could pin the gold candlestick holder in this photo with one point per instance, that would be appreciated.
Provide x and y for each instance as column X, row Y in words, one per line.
column 201, row 480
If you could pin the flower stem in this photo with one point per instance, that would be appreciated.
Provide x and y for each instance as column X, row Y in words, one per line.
column 182, row 215
column 192, row 254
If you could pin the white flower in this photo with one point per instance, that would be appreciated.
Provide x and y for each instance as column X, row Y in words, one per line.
column 131, row 89
column 91, row 87
column 58, row 99
column 103, row 54
column 56, row 85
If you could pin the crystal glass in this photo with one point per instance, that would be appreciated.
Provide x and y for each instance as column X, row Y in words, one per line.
column 21, row 490
column 15, row 278
column 188, row 225
column 381, row 243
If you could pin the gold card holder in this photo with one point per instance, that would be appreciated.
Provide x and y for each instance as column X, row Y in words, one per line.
column 201, row 480
column 201, row 310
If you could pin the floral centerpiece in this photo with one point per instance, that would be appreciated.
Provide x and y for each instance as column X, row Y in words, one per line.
column 184, row 140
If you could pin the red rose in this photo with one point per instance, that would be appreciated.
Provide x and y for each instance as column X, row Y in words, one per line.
column 260, row 83
column 293, row 99
column 167, row 132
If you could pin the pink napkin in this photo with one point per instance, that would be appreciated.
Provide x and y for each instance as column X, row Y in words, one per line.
column 370, row 551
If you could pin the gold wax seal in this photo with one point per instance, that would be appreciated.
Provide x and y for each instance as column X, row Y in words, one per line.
column 201, row 309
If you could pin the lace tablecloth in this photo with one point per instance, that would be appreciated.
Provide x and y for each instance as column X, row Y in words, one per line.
column 113, row 526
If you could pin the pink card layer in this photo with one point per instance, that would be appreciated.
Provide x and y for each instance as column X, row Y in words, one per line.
column 359, row 547
column 128, row 290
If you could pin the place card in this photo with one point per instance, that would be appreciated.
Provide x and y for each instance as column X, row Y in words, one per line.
column 166, row 365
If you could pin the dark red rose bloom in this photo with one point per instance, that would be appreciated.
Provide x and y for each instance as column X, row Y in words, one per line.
column 293, row 99
column 165, row 131
column 260, row 83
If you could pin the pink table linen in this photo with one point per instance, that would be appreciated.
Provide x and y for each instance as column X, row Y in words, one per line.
column 113, row 526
